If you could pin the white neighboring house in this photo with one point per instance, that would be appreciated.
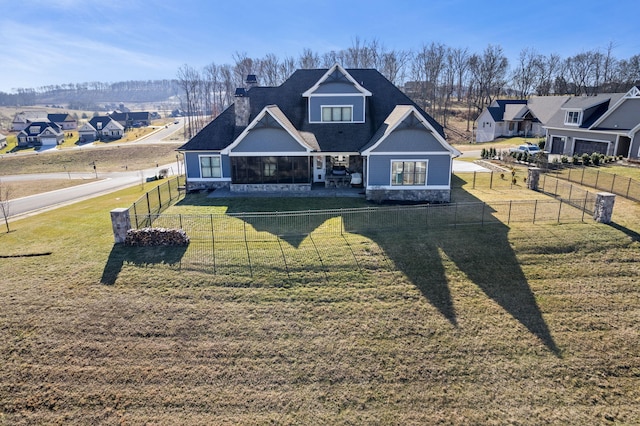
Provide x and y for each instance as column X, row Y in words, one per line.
column 41, row 133
column 516, row 117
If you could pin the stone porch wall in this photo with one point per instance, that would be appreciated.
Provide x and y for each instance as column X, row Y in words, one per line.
column 423, row 195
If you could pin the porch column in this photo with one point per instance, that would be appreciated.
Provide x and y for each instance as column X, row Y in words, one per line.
column 604, row 207
column 121, row 223
column 533, row 178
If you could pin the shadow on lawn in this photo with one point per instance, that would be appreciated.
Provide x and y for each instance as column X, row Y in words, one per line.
column 483, row 254
column 139, row 256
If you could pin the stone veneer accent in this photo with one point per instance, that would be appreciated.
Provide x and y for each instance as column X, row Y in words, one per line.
column 121, row 223
column 197, row 186
column 418, row 195
column 604, row 207
column 533, row 178
column 270, row 187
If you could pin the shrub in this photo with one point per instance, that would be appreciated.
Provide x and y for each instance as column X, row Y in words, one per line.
column 564, row 159
column 586, row 159
column 595, row 158
column 575, row 160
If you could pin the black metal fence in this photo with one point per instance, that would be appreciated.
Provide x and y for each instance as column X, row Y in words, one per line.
column 156, row 201
column 258, row 226
column 568, row 193
column 599, row 179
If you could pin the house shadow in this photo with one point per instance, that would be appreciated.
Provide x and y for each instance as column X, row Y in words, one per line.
column 139, row 256
column 482, row 253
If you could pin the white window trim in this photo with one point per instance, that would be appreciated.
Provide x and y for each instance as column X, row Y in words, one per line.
column 353, row 109
column 200, row 167
column 322, row 107
column 412, row 160
column 566, row 118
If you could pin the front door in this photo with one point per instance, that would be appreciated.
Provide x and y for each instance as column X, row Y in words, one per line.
column 319, row 168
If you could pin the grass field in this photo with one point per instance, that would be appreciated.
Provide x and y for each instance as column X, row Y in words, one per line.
column 527, row 324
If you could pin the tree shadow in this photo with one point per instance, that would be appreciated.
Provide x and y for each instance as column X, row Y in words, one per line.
column 139, row 256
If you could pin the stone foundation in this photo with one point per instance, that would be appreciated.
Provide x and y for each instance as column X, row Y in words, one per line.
column 416, row 196
column 270, row 187
column 200, row 186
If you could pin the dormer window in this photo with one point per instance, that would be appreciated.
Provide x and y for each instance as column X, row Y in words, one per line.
column 573, row 118
column 337, row 113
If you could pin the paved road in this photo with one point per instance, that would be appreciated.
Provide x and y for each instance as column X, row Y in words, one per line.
column 108, row 182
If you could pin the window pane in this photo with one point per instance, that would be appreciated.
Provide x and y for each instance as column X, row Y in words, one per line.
column 326, row 114
column 346, row 114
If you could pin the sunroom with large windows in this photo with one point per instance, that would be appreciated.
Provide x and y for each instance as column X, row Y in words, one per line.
column 269, row 170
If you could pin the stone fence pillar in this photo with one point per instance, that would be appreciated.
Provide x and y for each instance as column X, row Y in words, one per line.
column 121, row 223
column 533, row 178
column 604, row 207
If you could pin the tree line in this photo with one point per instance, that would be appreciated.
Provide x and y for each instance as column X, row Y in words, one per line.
column 435, row 76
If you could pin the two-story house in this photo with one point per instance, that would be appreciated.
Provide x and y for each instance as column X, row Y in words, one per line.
column 40, row 133
column 319, row 124
column 607, row 123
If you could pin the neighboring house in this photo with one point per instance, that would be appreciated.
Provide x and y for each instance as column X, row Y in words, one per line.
column 132, row 119
column 3, row 140
column 106, row 128
column 41, row 133
column 64, row 120
column 22, row 119
column 87, row 133
column 606, row 123
column 314, row 126
column 509, row 118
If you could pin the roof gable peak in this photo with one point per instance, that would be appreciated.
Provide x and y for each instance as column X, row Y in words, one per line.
column 337, row 74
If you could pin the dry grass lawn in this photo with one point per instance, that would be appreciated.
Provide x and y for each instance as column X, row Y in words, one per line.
column 528, row 324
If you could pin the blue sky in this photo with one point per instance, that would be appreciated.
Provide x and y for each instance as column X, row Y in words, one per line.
column 45, row 42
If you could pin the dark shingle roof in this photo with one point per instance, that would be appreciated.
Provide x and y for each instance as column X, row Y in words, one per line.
column 339, row 137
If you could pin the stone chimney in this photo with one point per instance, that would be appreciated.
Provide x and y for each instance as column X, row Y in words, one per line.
column 241, row 106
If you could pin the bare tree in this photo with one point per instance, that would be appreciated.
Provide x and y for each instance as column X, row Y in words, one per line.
column 394, row 64
column 488, row 73
column 189, row 81
column 308, row 59
column 460, row 64
column 5, row 194
column 550, row 66
column 526, row 75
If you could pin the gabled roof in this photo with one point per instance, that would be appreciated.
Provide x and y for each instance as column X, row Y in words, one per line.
column 498, row 107
column 403, row 114
column 329, row 137
column 133, row 116
column 633, row 93
column 336, row 73
column 282, row 122
column 60, row 118
column 592, row 106
column 38, row 127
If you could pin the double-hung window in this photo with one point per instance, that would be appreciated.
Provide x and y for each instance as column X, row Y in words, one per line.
column 572, row 117
column 210, row 167
column 337, row 113
column 408, row 173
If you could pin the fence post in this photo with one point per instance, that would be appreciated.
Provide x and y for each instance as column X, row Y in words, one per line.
column 159, row 198
column 582, row 178
column 597, row 176
column 559, row 210
column 213, row 244
column 482, row 217
column 509, row 215
column 535, row 209
column 628, row 186
column 135, row 213
column 148, row 204
column 613, row 182
column 474, row 180
column 491, row 180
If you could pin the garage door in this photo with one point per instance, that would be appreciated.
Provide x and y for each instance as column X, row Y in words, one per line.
column 589, row 147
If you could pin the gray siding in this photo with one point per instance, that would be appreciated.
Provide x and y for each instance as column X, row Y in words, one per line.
column 410, row 140
column 268, row 140
column 192, row 163
column 625, row 117
column 572, row 135
column 316, row 102
column 634, row 150
column 438, row 168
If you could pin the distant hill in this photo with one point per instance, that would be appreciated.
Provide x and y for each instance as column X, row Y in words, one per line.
column 89, row 95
